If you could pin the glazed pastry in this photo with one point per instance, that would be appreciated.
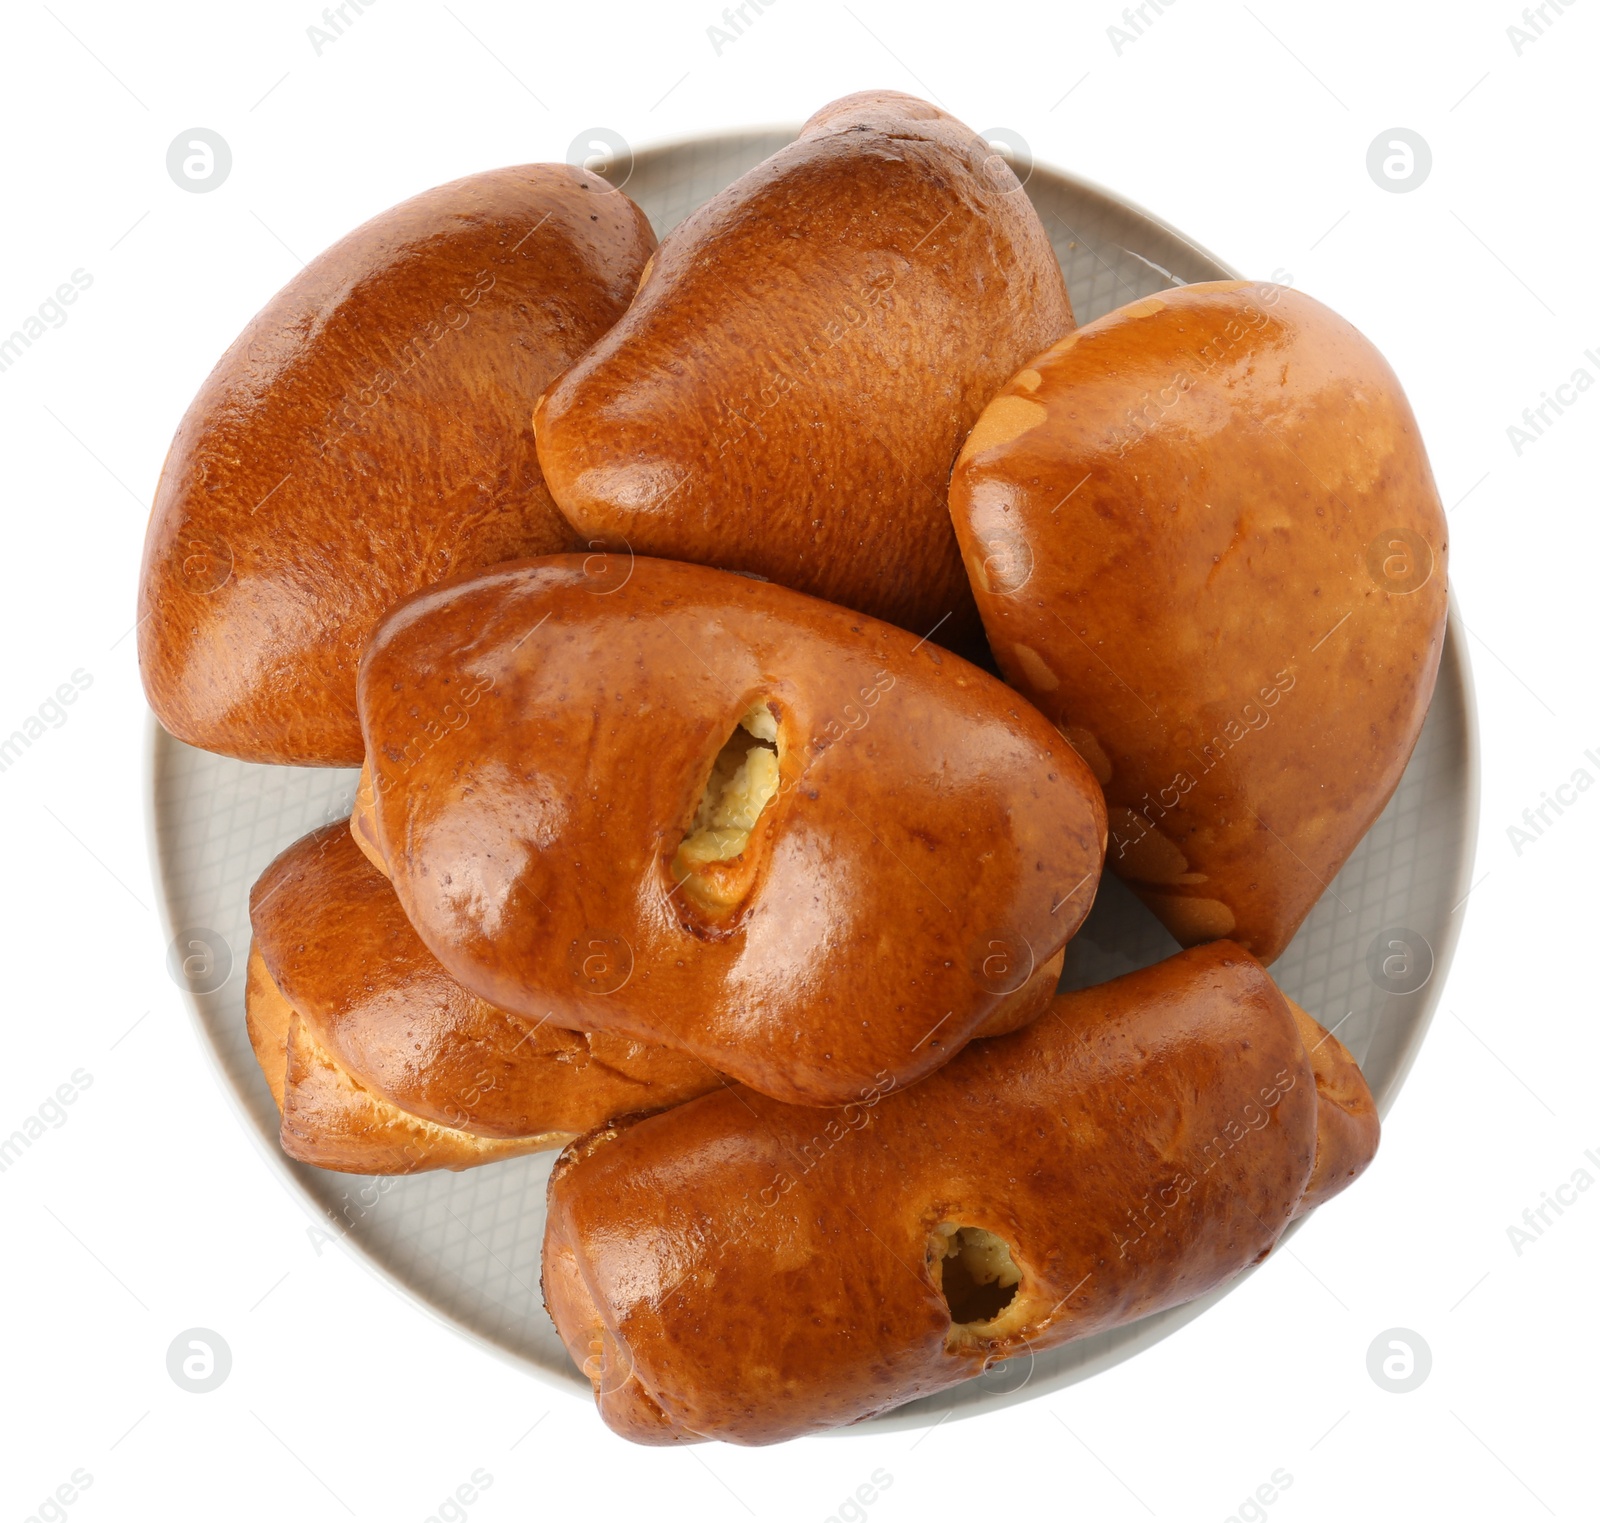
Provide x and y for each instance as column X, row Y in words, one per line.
column 331, row 1120
column 365, row 436
column 804, row 357
column 381, row 1063
column 1207, row 543
column 694, row 809
column 743, row 1270
column 1014, row 1012
column 1347, row 1117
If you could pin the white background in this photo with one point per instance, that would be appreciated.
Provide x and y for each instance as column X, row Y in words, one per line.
column 150, row 1211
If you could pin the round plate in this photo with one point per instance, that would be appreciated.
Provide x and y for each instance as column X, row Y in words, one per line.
column 1369, row 960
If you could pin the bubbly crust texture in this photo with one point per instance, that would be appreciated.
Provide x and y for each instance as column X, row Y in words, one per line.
column 540, row 740
column 1206, row 541
column 748, row 1271
column 365, row 436
column 804, row 357
column 382, row 1033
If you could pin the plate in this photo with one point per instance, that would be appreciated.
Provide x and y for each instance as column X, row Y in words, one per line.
column 1370, row 959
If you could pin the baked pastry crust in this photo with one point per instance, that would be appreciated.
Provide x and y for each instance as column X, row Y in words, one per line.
column 391, row 1066
column 748, row 1271
column 1206, row 542
column 540, row 741
column 804, row 357
column 335, row 1122
column 365, row 436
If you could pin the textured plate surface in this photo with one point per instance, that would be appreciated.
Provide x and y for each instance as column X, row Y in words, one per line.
column 466, row 1246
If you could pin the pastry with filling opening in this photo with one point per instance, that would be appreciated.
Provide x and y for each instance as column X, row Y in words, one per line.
column 653, row 799
column 748, row 1271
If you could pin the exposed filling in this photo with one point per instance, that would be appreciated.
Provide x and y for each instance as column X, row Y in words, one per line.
column 976, row 1272
column 710, row 863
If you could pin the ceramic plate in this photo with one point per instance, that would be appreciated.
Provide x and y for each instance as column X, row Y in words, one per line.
column 1370, row 959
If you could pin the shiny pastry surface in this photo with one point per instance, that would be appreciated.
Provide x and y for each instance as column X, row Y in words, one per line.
column 748, row 1271
column 365, row 436
column 697, row 809
column 806, row 353
column 374, row 1005
column 331, row 1120
column 1206, row 542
